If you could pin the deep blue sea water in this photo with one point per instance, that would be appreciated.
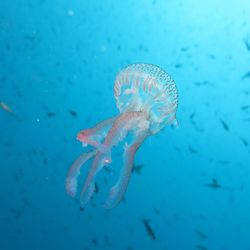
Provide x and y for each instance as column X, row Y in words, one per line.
column 58, row 62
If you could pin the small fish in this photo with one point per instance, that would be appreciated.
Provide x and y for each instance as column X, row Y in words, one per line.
column 178, row 65
column 201, row 83
column 156, row 211
column 223, row 162
column 94, row 242
column 191, row 150
column 106, row 239
column 73, row 113
column 247, row 44
column 184, row 49
column 225, row 126
column 245, row 107
column 149, row 229
column 137, row 168
column 200, row 247
column 108, row 170
column 96, row 188
column 246, row 92
column 214, row 184
column 247, row 120
column 244, row 141
column 201, row 234
column 51, row 114
column 247, row 75
column 130, row 248
column 191, row 116
column 6, row 108
column 27, row 202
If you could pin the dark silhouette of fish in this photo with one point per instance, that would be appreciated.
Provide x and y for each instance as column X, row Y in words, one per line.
column 245, row 107
column 94, row 242
column 192, row 150
column 191, row 116
column 247, row 43
column 244, row 141
column 225, row 126
column 149, row 229
column 157, row 211
column 137, row 168
column 51, row 114
column 214, row 184
column 247, row 75
column 201, row 234
column 200, row 247
column 96, row 188
column 7, row 108
column 73, row 113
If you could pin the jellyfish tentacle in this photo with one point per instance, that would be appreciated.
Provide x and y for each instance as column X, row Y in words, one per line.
column 124, row 123
column 89, row 185
column 118, row 190
column 94, row 136
column 74, row 172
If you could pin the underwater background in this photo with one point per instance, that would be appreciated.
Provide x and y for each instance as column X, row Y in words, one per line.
column 58, row 62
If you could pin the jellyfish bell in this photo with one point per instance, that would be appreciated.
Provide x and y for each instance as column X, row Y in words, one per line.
column 147, row 99
column 154, row 92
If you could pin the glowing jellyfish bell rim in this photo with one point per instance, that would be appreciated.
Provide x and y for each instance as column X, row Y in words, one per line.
column 159, row 87
column 147, row 99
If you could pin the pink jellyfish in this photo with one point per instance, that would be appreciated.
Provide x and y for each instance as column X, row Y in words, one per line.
column 147, row 99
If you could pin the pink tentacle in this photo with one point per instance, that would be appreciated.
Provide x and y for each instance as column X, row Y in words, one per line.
column 124, row 123
column 74, row 172
column 89, row 185
column 94, row 136
column 118, row 190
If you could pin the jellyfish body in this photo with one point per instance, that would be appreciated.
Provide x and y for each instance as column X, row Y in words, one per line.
column 147, row 99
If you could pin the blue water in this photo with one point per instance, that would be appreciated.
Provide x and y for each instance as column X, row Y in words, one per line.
column 58, row 62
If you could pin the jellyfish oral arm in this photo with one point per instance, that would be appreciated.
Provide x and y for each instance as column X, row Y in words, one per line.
column 94, row 136
column 74, row 172
column 118, row 190
column 135, row 122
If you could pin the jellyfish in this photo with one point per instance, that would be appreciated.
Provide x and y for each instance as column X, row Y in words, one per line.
column 147, row 100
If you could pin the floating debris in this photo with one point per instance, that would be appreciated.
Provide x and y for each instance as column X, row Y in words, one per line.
column 149, row 229
column 214, row 184
column 71, row 13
